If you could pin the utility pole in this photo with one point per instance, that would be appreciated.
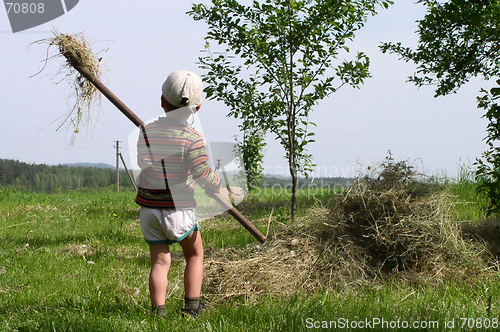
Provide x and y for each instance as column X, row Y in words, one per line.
column 117, row 166
column 118, row 157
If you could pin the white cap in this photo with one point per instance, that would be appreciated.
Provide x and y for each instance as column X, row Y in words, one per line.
column 183, row 88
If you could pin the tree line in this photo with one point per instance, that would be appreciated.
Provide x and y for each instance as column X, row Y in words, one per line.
column 47, row 179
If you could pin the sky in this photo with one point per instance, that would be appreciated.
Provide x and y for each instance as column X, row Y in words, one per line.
column 145, row 41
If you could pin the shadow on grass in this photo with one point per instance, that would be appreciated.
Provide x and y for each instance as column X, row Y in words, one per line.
column 487, row 232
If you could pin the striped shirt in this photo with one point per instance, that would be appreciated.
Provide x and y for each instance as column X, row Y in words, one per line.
column 175, row 157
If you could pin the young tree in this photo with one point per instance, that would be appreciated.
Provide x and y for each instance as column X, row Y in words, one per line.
column 458, row 40
column 252, row 150
column 286, row 49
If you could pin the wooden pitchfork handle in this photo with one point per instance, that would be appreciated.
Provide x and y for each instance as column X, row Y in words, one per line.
column 139, row 123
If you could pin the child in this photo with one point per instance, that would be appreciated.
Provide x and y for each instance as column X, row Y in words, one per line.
column 171, row 154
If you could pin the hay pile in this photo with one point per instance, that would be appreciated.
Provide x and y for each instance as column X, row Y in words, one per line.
column 76, row 51
column 392, row 234
column 376, row 231
column 280, row 266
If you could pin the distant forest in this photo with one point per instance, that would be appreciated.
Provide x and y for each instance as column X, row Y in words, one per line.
column 47, row 179
column 44, row 178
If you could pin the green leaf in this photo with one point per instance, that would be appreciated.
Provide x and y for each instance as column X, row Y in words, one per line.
column 495, row 91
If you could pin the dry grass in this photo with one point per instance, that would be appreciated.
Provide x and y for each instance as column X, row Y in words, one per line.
column 76, row 51
column 279, row 266
column 370, row 234
column 392, row 234
column 78, row 249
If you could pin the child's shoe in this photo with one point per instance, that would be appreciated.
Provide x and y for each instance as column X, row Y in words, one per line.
column 159, row 310
column 194, row 312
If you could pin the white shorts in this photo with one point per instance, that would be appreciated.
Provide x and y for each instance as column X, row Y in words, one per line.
column 167, row 226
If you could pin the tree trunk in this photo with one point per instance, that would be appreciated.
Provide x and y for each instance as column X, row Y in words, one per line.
column 293, row 172
column 292, row 158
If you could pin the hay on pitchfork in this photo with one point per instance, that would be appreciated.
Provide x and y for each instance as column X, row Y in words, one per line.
column 76, row 51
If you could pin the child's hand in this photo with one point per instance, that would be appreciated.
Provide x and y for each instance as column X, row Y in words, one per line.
column 210, row 192
column 231, row 194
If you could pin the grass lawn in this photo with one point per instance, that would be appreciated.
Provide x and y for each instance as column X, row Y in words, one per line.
column 77, row 262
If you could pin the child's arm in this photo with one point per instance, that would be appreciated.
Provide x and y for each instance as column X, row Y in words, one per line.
column 199, row 167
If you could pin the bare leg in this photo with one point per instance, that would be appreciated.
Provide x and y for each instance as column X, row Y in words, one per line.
column 192, row 246
column 158, row 278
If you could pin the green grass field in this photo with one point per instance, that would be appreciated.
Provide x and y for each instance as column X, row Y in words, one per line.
column 77, row 262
